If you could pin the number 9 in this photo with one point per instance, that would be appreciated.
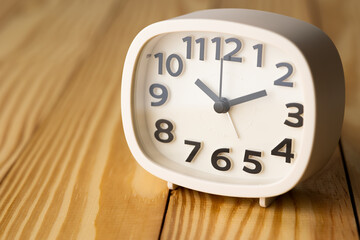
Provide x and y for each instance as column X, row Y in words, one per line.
column 163, row 96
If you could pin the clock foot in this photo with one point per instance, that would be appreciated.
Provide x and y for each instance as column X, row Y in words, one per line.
column 172, row 186
column 266, row 201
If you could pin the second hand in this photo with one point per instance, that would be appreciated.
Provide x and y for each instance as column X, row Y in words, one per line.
column 232, row 124
column 220, row 92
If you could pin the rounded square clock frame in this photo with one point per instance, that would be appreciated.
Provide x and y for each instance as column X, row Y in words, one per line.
column 316, row 59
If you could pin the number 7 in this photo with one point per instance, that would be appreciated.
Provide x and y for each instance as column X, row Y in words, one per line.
column 197, row 146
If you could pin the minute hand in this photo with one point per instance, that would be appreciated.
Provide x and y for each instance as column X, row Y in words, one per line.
column 247, row 98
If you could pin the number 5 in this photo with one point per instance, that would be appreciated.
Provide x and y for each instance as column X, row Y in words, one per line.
column 257, row 164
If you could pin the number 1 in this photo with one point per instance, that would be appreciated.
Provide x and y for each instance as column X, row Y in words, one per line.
column 201, row 41
column 259, row 48
column 188, row 46
column 217, row 45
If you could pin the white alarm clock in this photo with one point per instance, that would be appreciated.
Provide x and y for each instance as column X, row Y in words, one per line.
column 233, row 102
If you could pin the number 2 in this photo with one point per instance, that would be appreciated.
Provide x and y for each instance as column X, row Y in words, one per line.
column 230, row 55
column 281, row 80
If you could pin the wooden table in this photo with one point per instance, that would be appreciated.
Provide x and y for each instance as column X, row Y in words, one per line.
column 65, row 169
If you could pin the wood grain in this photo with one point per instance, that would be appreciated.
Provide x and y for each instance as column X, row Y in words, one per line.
column 40, row 46
column 66, row 170
column 345, row 32
column 317, row 209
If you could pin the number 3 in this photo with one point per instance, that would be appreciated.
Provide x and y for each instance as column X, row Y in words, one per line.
column 296, row 115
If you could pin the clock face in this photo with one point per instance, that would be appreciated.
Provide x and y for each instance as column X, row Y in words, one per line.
column 219, row 107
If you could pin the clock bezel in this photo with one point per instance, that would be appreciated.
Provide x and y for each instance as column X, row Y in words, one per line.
column 229, row 26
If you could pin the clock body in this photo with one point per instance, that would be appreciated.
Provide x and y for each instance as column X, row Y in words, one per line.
column 232, row 102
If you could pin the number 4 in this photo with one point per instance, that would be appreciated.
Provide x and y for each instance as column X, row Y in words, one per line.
column 287, row 144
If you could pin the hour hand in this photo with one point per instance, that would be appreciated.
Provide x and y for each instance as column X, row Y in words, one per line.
column 247, row 98
column 206, row 90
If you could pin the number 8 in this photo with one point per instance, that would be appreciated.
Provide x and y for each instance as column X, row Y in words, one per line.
column 159, row 126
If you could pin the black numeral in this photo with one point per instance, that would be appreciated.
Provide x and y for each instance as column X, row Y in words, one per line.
column 163, row 96
column 160, row 56
column 220, row 162
column 163, row 133
column 201, row 41
column 259, row 48
column 281, row 81
column 217, row 42
column 172, row 57
column 180, row 65
column 188, row 46
column 248, row 159
column 287, row 144
column 230, row 55
column 188, row 41
column 296, row 115
column 197, row 146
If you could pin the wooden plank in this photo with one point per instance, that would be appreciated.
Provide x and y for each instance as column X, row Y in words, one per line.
column 41, row 44
column 75, row 178
column 317, row 209
column 344, row 29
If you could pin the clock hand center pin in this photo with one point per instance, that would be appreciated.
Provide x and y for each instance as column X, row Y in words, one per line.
column 220, row 105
